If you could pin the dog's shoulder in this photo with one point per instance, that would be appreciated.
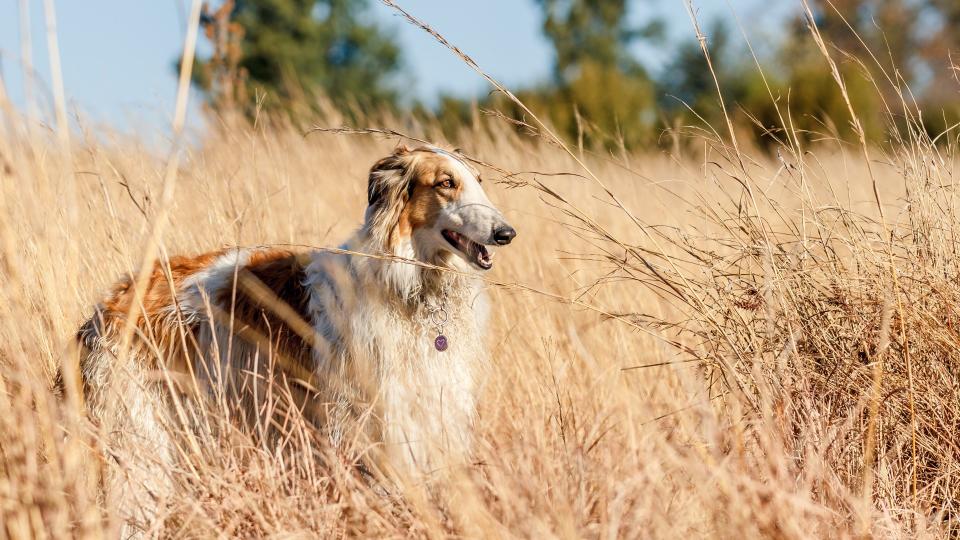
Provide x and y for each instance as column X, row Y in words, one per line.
column 269, row 286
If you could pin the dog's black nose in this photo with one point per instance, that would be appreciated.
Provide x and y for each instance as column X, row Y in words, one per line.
column 504, row 235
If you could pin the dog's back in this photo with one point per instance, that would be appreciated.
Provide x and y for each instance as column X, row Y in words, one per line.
column 214, row 324
column 208, row 323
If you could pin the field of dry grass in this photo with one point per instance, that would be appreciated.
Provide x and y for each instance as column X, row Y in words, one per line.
column 742, row 349
column 719, row 344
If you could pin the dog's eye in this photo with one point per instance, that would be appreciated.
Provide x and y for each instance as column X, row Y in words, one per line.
column 446, row 183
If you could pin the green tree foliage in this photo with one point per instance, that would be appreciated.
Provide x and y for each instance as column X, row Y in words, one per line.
column 687, row 88
column 290, row 49
column 800, row 93
column 804, row 97
column 873, row 42
column 599, row 91
column 592, row 32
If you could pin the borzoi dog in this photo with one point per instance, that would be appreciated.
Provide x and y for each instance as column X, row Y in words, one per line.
column 385, row 333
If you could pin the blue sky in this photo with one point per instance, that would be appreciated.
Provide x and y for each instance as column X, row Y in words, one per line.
column 117, row 55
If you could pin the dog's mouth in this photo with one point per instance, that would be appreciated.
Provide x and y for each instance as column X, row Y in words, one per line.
column 475, row 252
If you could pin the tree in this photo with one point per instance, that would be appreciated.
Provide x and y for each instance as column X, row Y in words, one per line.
column 687, row 80
column 599, row 89
column 875, row 43
column 941, row 57
column 592, row 32
column 286, row 48
column 869, row 40
column 941, row 47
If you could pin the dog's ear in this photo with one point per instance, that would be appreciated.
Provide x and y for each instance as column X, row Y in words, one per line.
column 379, row 177
column 389, row 189
column 387, row 194
column 386, row 171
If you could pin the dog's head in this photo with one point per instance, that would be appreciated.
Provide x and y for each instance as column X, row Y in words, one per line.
column 428, row 203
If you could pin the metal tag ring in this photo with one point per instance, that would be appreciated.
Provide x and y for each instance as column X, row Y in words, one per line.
column 439, row 317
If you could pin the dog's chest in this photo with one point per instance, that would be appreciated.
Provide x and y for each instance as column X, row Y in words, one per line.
column 428, row 396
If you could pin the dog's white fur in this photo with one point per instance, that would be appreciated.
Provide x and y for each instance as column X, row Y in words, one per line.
column 371, row 360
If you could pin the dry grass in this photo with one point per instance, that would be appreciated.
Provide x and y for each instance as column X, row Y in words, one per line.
column 712, row 346
column 764, row 319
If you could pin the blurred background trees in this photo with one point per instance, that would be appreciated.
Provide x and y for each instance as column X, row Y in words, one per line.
column 291, row 50
column 600, row 93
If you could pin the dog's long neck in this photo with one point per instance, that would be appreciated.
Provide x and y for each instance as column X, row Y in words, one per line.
column 411, row 283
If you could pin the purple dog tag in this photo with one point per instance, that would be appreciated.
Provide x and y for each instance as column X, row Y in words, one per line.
column 440, row 343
